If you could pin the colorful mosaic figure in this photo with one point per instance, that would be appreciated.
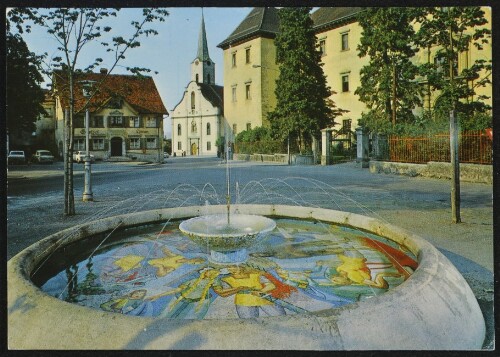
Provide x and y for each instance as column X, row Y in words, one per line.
column 133, row 303
column 354, row 270
column 254, row 291
column 171, row 262
column 312, row 286
column 193, row 297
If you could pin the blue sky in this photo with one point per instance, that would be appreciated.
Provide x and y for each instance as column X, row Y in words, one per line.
column 170, row 52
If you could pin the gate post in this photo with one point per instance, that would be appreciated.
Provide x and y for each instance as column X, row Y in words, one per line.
column 326, row 143
column 362, row 147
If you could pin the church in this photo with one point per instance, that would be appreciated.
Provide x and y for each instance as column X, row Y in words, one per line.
column 197, row 120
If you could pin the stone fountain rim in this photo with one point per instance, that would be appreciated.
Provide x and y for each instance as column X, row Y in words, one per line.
column 453, row 321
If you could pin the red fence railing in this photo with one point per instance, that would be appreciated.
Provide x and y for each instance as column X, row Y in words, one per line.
column 475, row 147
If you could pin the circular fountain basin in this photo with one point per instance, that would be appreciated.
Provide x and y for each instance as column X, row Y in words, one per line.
column 227, row 241
column 434, row 309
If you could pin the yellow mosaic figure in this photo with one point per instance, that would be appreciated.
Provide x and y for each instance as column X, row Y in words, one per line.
column 248, row 285
column 170, row 262
column 354, row 270
column 128, row 262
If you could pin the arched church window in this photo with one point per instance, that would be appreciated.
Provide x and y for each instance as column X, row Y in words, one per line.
column 192, row 100
column 179, row 130
column 197, row 77
column 208, row 129
column 208, row 78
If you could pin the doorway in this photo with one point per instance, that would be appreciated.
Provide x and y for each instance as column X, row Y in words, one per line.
column 116, row 147
column 194, row 149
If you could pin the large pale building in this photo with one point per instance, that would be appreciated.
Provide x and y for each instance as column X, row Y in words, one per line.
column 197, row 120
column 250, row 70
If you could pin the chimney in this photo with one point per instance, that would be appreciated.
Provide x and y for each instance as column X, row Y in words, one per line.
column 104, row 71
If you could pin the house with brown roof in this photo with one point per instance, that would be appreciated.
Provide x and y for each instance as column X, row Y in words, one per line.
column 197, row 120
column 126, row 115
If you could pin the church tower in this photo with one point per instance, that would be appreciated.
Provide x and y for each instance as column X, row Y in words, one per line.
column 202, row 68
column 198, row 119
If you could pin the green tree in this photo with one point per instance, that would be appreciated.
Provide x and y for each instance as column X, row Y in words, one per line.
column 303, row 105
column 24, row 96
column 74, row 29
column 388, row 86
column 453, row 31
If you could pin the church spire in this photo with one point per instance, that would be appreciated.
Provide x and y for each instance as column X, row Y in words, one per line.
column 202, row 42
column 202, row 68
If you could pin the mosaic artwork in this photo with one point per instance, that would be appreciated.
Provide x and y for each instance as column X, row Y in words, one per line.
column 301, row 267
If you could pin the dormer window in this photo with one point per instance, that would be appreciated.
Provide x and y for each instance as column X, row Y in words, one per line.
column 115, row 103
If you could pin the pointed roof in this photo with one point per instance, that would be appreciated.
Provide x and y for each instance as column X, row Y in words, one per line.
column 202, row 43
column 261, row 21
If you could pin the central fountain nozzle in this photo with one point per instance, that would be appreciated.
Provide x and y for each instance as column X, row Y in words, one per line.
column 227, row 241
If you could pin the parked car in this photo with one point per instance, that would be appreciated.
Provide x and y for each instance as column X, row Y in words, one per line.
column 165, row 155
column 43, row 156
column 79, row 156
column 16, row 157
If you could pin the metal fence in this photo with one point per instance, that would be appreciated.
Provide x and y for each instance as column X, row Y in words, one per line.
column 475, row 147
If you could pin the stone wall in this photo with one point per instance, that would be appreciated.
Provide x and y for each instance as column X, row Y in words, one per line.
column 442, row 170
column 295, row 159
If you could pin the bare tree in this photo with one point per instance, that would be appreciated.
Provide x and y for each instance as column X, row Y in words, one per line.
column 74, row 29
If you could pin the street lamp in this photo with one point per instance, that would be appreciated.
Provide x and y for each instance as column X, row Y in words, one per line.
column 87, row 188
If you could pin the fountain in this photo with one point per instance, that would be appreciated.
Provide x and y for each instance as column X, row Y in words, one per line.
column 240, row 276
column 227, row 236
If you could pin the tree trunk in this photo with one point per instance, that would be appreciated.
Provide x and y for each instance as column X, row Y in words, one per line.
column 69, row 198
column 394, row 95
column 388, row 106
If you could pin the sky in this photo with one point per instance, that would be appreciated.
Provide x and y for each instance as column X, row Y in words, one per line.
column 170, row 52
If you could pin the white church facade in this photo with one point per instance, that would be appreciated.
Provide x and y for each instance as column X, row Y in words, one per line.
column 197, row 120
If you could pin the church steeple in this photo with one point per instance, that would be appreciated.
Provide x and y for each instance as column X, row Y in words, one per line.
column 202, row 42
column 202, row 68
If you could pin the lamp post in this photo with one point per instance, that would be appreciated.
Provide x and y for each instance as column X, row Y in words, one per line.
column 87, row 187
column 455, row 162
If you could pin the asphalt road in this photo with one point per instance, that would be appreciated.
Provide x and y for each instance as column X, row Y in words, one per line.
column 421, row 205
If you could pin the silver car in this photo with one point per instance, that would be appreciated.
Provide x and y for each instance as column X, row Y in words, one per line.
column 43, row 156
column 79, row 156
column 16, row 157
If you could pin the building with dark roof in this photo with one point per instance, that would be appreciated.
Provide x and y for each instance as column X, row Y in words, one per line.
column 250, row 71
column 197, row 120
column 126, row 115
